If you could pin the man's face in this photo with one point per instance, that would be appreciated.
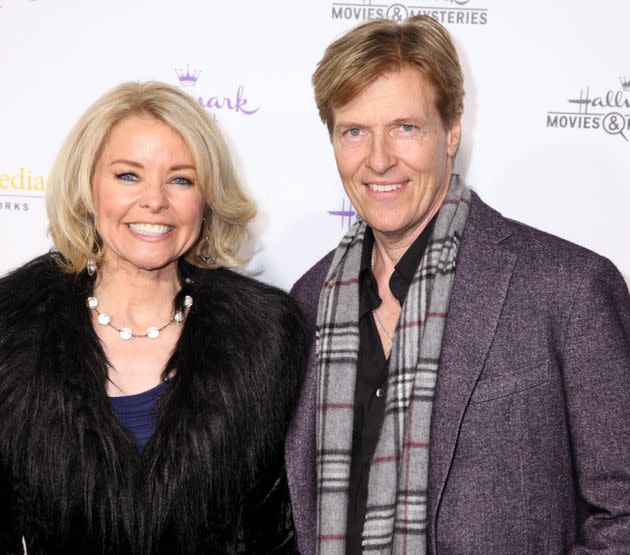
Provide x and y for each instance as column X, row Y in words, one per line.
column 394, row 155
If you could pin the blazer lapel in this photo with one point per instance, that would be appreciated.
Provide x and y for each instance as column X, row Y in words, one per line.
column 479, row 290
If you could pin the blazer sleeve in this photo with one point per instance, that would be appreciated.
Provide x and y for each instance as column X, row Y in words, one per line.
column 596, row 374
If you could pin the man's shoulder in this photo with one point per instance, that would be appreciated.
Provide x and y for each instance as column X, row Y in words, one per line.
column 492, row 224
column 306, row 290
column 540, row 252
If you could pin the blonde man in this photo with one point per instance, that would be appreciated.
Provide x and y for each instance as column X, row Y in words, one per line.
column 468, row 390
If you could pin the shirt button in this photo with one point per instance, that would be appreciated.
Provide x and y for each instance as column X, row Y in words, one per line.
column 380, row 392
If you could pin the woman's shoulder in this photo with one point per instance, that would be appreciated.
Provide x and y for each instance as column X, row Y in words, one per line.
column 32, row 284
column 223, row 287
column 43, row 263
column 228, row 278
column 29, row 295
column 259, row 320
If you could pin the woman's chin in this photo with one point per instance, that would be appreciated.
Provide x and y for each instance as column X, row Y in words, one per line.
column 143, row 264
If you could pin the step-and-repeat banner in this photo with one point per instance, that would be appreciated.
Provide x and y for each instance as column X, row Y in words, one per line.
column 547, row 111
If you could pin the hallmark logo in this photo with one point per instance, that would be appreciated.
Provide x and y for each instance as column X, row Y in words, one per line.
column 347, row 214
column 187, row 79
column 609, row 111
column 453, row 12
column 236, row 102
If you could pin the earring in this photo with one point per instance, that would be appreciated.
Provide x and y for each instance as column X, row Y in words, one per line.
column 205, row 230
column 91, row 267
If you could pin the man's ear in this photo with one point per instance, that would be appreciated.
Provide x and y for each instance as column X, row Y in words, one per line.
column 453, row 136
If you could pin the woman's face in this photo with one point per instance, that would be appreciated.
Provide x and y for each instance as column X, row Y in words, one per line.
column 149, row 208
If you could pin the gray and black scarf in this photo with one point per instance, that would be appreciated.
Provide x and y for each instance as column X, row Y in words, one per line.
column 397, row 490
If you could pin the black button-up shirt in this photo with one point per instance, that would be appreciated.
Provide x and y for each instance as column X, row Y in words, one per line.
column 372, row 368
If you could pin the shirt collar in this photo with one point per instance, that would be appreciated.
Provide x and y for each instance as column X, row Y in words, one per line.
column 409, row 262
column 402, row 276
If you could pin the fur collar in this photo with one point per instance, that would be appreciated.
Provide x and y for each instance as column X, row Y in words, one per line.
column 221, row 422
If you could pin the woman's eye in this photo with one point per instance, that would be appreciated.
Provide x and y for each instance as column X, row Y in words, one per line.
column 127, row 176
column 180, row 180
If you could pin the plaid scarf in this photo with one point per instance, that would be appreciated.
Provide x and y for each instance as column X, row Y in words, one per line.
column 397, row 489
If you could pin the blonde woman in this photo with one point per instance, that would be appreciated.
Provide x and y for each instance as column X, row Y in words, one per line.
column 145, row 388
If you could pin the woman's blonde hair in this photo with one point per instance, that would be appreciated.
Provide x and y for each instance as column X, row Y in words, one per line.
column 69, row 204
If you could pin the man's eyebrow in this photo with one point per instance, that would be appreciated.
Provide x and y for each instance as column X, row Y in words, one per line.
column 348, row 123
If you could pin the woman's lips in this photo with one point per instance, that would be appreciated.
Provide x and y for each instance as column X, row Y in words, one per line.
column 151, row 230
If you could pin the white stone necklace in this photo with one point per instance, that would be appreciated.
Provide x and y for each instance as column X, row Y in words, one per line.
column 127, row 333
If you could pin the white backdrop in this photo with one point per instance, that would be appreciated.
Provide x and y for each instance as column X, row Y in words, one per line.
column 547, row 117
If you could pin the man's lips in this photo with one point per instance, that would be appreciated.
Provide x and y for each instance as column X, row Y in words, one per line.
column 385, row 187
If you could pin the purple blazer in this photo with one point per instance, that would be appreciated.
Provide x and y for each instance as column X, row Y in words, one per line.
column 530, row 432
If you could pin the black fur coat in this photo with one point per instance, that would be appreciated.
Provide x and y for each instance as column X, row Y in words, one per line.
column 211, row 479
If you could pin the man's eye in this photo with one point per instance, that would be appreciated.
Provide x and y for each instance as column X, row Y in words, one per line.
column 407, row 127
column 127, row 176
column 354, row 132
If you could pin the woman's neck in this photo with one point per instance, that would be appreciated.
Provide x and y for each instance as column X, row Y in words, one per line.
column 134, row 297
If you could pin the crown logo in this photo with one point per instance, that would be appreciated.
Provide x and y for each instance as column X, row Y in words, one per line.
column 625, row 83
column 187, row 79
